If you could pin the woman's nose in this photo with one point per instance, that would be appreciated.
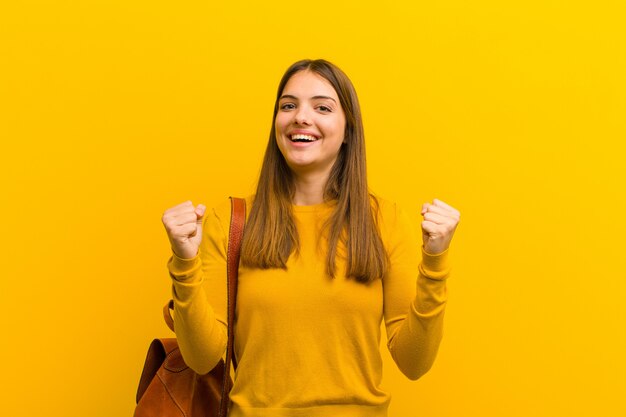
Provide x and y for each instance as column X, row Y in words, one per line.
column 302, row 116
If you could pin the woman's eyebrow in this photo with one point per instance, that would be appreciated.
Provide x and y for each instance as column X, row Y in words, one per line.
column 314, row 97
column 318, row 97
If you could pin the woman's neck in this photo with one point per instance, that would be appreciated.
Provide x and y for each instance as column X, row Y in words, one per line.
column 309, row 189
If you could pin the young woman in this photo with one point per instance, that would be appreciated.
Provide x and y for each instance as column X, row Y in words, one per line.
column 323, row 262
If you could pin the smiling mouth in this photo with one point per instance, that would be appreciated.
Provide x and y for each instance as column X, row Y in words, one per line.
column 303, row 138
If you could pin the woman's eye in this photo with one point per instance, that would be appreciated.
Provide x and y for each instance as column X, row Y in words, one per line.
column 324, row 108
column 287, row 106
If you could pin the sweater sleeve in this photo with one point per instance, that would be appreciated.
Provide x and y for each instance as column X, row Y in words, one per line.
column 414, row 298
column 200, row 299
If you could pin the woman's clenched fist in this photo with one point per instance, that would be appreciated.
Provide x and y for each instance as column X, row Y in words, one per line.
column 440, row 221
column 183, row 224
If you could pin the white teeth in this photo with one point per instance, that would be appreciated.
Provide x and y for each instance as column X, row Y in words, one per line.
column 304, row 137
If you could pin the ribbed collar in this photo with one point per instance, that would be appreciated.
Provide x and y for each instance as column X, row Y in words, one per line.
column 321, row 207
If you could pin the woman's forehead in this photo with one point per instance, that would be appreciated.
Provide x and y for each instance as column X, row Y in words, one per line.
column 307, row 84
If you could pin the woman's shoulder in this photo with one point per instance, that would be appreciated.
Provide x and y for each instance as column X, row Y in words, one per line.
column 383, row 208
column 390, row 216
column 222, row 210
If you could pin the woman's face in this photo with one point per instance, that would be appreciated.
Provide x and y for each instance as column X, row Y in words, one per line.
column 310, row 123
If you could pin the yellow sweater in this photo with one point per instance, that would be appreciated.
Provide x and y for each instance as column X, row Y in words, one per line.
column 308, row 345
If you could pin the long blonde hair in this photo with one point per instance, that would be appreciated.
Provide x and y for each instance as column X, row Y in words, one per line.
column 271, row 234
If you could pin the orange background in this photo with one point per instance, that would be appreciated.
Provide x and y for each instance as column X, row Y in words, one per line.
column 513, row 112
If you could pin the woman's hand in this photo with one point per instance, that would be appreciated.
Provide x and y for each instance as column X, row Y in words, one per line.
column 183, row 224
column 440, row 221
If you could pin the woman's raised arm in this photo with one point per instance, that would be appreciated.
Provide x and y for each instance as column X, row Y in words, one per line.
column 198, row 284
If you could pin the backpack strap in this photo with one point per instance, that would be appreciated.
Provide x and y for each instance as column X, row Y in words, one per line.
column 235, row 236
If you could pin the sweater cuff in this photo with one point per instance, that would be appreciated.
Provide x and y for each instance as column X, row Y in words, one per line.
column 435, row 266
column 182, row 269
